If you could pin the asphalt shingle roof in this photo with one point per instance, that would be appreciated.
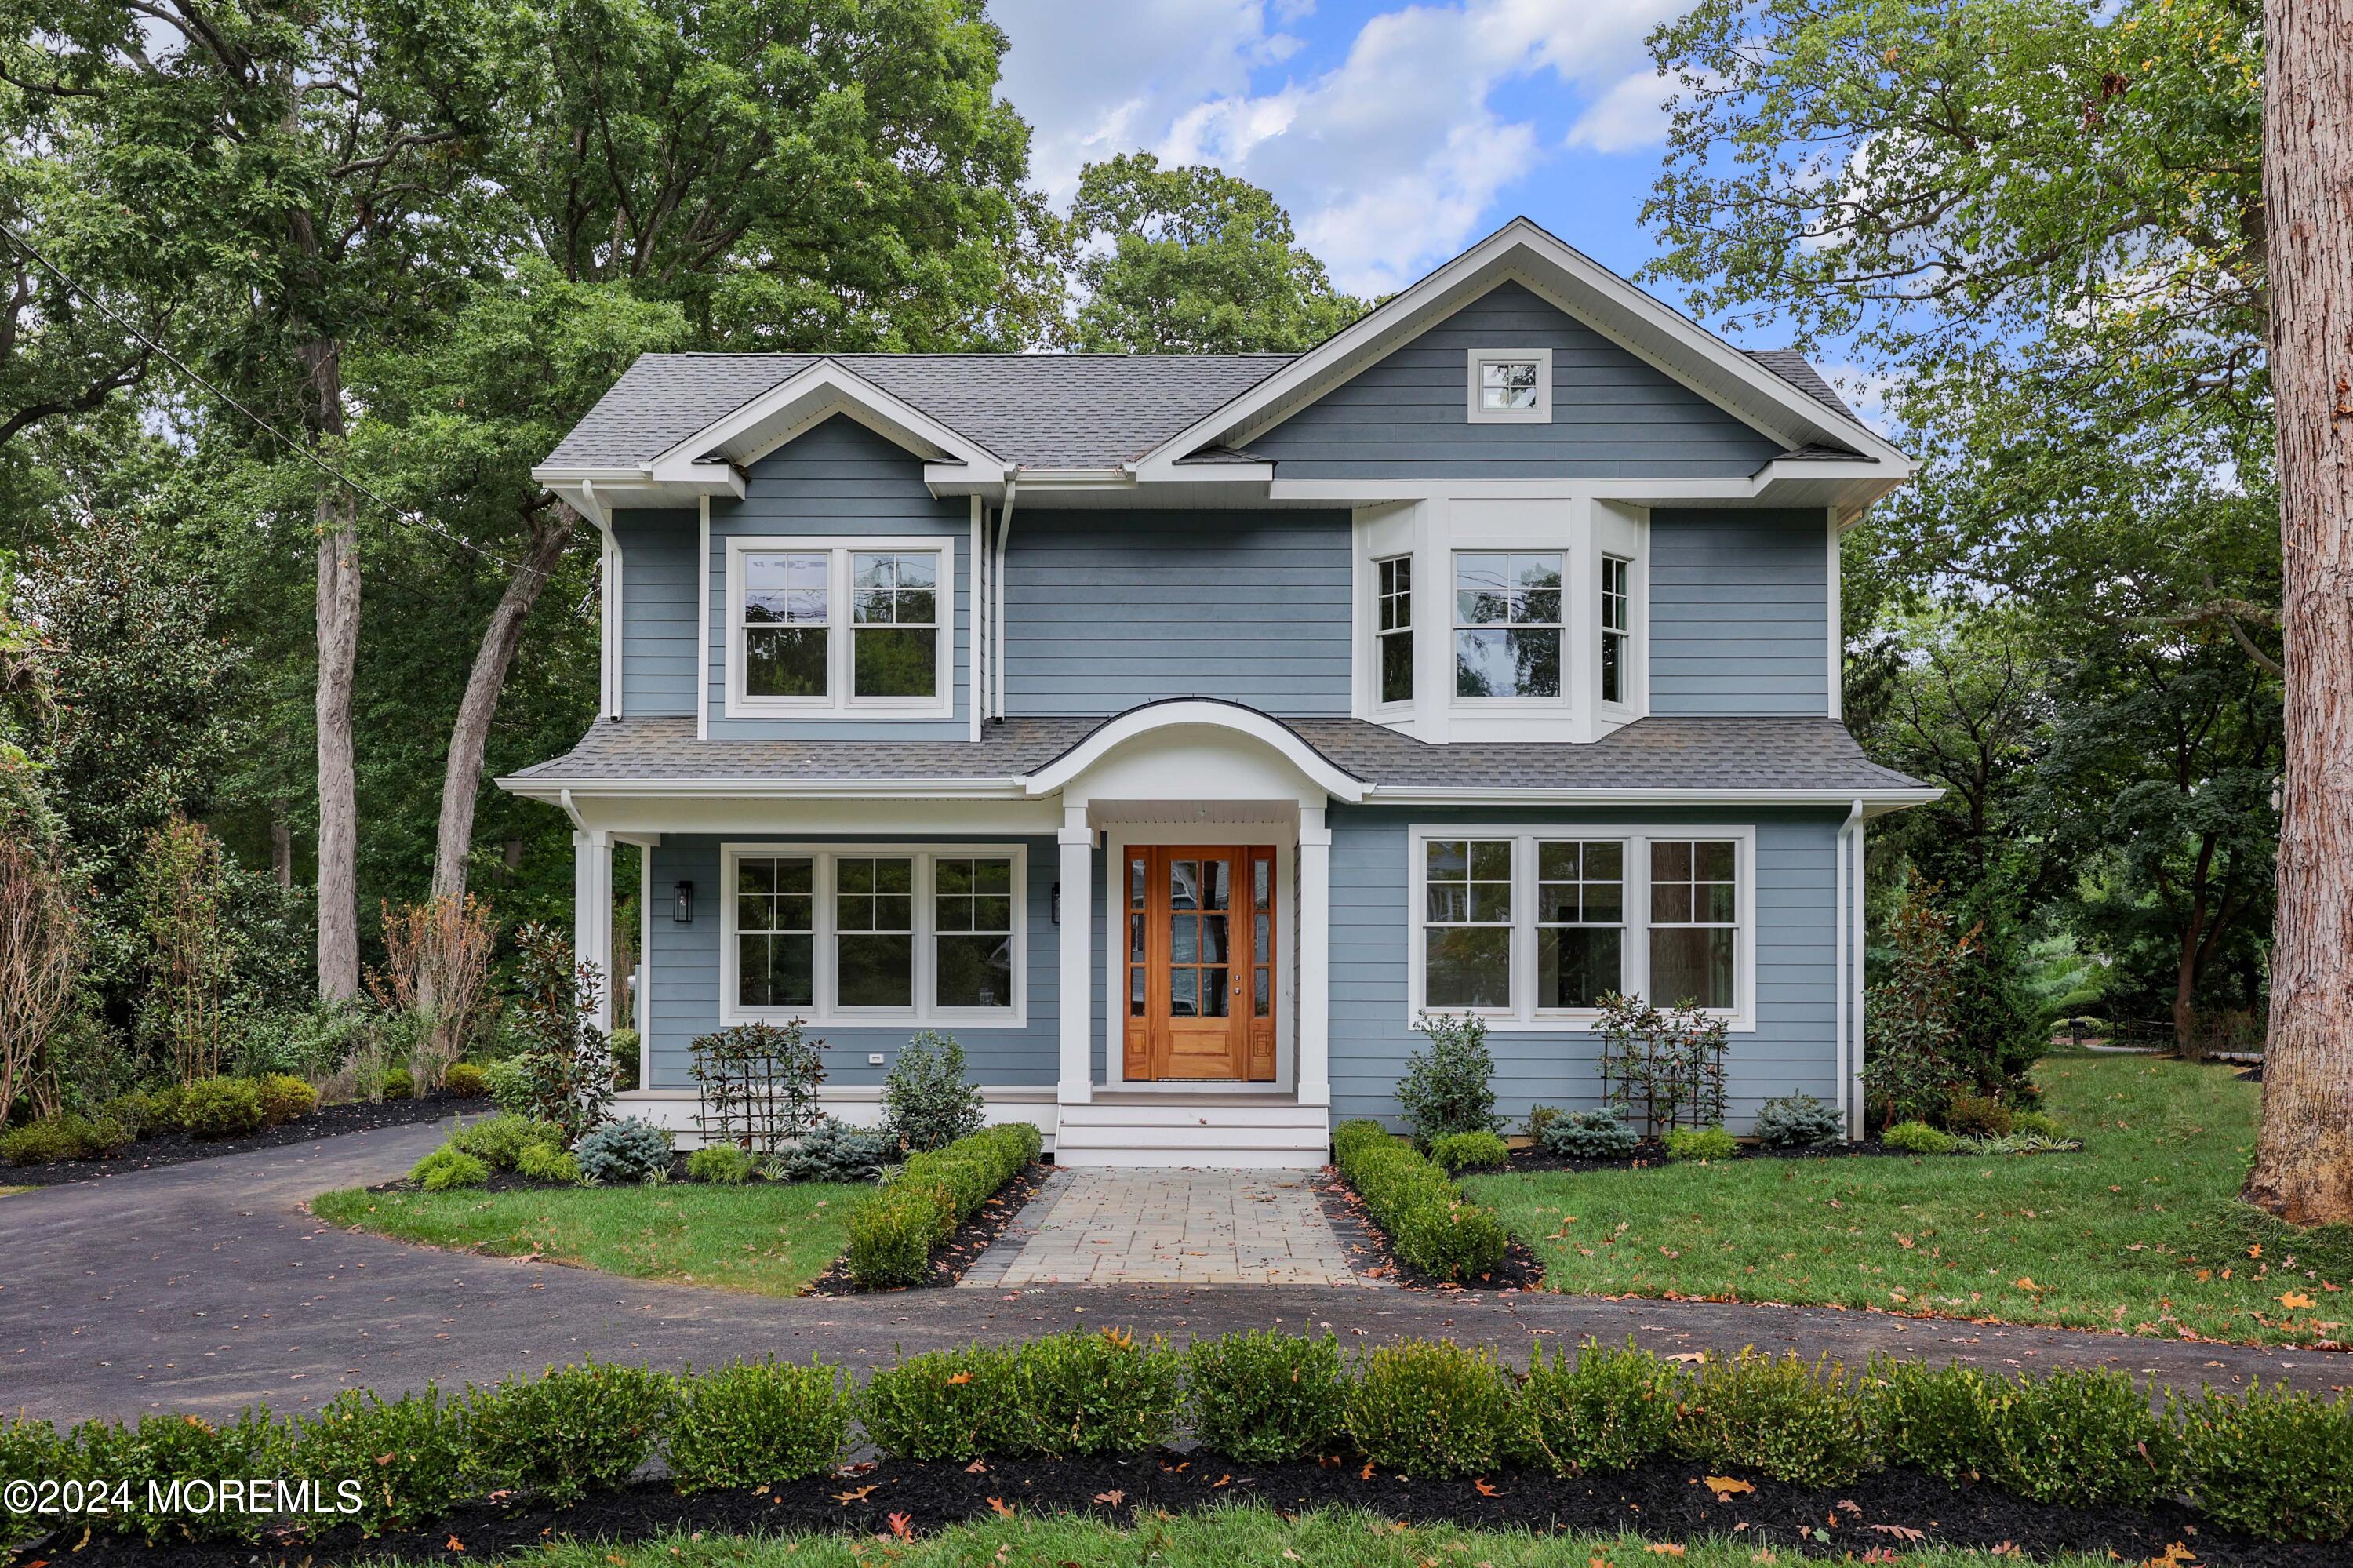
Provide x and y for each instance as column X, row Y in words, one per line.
column 1760, row 753
column 1794, row 369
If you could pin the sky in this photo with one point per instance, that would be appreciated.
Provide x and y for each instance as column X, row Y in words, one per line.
column 1395, row 134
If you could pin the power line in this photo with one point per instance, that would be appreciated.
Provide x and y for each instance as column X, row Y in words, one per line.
column 307, row 454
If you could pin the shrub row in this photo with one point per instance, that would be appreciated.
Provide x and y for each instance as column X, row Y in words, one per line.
column 1435, row 1229
column 209, row 1108
column 2267, row 1462
column 891, row 1238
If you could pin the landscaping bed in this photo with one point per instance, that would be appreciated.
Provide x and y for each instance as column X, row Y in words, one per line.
column 1651, row 1154
column 1369, row 1252
column 975, row 1235
column 177, row 1148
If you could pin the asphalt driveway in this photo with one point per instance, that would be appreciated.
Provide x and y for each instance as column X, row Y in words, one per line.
column 208, row 1287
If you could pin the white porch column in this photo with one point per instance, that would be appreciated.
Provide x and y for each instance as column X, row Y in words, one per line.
column 1315, row 958
column 1077, row 978
column 592, row 913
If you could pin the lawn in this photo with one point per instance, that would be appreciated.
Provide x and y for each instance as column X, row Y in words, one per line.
column 768, row 1239
column 1220, row 1538
column 2138, row 1233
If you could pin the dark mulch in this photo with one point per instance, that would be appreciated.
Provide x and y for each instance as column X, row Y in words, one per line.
column 1370, row 1253
column 179, row 1148
column 1895, row 1511
column 1650, row 1152
column 962, row 1249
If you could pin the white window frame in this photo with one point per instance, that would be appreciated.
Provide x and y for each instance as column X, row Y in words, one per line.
column 1604, row 631
column 1455, row 626
column 1407, row 631
column 1524, row 1015
column 839, row 701
column 827, row 1011
column 1480, row 358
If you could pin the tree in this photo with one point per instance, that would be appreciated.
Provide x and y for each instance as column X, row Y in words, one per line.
column 1189, row 259
column 2303, row 1157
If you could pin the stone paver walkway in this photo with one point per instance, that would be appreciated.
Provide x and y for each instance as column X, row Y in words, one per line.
column 1170, row 1227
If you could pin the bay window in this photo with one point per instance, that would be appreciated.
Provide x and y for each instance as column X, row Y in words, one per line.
column 1507, row 623
column 1617, row 627
column 1393, row 633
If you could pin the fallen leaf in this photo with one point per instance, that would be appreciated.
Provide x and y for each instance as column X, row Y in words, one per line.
column 1367, row 1473
column 1486, row 1491
column 2296, row 1301
column 1688, row 1356
column 1114, row 1496
column 902, row 1525
column 1901, row 1531
column 977, row 1467
column 1727, row 1486
column 2172, row 1555
column 454, row 1545
column 1221, row 1482
column 861, row 1494
column 1666, row 1549
column 959, row 1378
column 1000, row 1508
column 2026, row 1282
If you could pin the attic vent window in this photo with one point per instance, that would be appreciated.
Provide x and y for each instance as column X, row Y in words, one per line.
column 1510, row 386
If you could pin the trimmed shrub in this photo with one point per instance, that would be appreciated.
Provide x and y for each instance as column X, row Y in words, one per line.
column 2273, row 1463
column 1600, row 1133
column 833, row 1152
column 143, row 1111
column 1685, row 1144
column 582, row 1430
column 890, row 1239
column 1918, row 1138
column 1977, row 1115
column 546, row 1162
column 1780, row 1418
column 2076, row 1437
column 721, row 1165
column 945, row 1405
column 284, row 1098
column 409, row 1455
column 1426, row 1407
column 1798, row 1122
column 1460, row 1151
column 498, row 1141
column 1451, row 1086
column 220, row 1107
column 398, row 1085
column 165, row 1449
column 927, row 1101
column 449, row 1167
column 1606, row 1410
column 465, row 1080
column 1105, row 1392
column 1434, row 1228
column 624, row 1152
column 1266, row 1397
column 756, row 1421
column 29, row 1451
column 2037, row 1124
column 53, row 1138
column 513, row 1087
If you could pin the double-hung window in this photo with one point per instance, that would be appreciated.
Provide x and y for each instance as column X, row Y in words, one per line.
column 1393, row 633
column 846, row 934
column 1507, row 623
column 825, row 626
column 1617, row 627
column 1534, row 927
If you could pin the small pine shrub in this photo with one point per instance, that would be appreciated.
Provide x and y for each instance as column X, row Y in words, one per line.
column 1449, row 1086
column 1264, row 1397
column 465, row 1080
column 623, row 1153
column 498, row 1141
column 1798, row 1122
column 1460, row 1151
column 1427, row 1407
column 220, row 1107
column 1780, row 1418
column 721, row 1165
column 1605, row 1410
column 449, row 1167
column 928, row 1102
column 1600, row 1133
column 1918, row 1138
column 398, row 1085
column 566, row 1434
column 833, row 1152
column 2271, row 1462
column 943, row 1405
column 408, row 1454
column 756, row 1421
column 1975, row 1115
column 284, row 1098
column 546, row 1162
column 1689, row 1143
column 1105, row 1392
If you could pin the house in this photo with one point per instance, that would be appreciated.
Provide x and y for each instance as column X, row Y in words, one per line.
column 1175, row 730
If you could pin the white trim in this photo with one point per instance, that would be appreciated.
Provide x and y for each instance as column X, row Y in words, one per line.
column 702, row 624
column 824, row 1010
column 1840, row 943
column 839, row 701
column 1856, row 989
column 1246, row 721
column 1523, row 1016
column 1480, row 358
column 976, row 659
column 641, row 1004
column 798, row 404
column 1837, row 698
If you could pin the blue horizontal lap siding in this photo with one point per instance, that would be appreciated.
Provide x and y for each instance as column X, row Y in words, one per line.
column 1107, row 610
column 1793, row 1046
column 658, row 642
column 1739, row 613
column 840, row 479
column 682, row 978
column 1613, row 416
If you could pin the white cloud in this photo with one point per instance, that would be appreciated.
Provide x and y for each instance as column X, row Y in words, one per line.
column 1630, row 115
column 1389, row 160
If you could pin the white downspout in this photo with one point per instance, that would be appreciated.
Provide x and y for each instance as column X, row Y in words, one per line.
column 1004, row 533
column 1849, row 1043
column 977, row 624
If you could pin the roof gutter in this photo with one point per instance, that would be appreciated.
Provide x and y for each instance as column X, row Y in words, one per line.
column 997, row 636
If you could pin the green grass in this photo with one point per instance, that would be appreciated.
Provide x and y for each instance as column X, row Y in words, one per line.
column 768, row 1239
column 12, row 1192
column 1223, row 1538
column 2139, row 1232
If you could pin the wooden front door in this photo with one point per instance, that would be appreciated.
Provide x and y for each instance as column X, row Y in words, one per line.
column 1200, row 994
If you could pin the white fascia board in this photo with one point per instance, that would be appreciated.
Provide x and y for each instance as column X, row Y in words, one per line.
column 1875, row 802
column 1872, row 479
column 798, row 401
column 768, row 789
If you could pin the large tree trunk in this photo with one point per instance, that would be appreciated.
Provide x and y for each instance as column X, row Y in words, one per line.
column 2303, row 1157
column 469, row 737
column 338, row 628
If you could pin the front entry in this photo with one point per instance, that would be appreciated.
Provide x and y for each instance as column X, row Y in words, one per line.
column 1200, row 963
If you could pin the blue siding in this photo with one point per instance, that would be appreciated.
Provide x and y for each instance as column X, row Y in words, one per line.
column 682, row 970
column 1739, row 613
column 1613, row 416
column 1794, row 1044
column 840, row 478
column 658, row 646
column 1107, row 610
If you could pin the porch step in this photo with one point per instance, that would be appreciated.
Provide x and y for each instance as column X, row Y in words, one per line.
column 1236, row 1131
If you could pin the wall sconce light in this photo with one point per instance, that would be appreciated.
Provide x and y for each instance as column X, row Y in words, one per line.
column 1054, row 903
column 682, row 904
